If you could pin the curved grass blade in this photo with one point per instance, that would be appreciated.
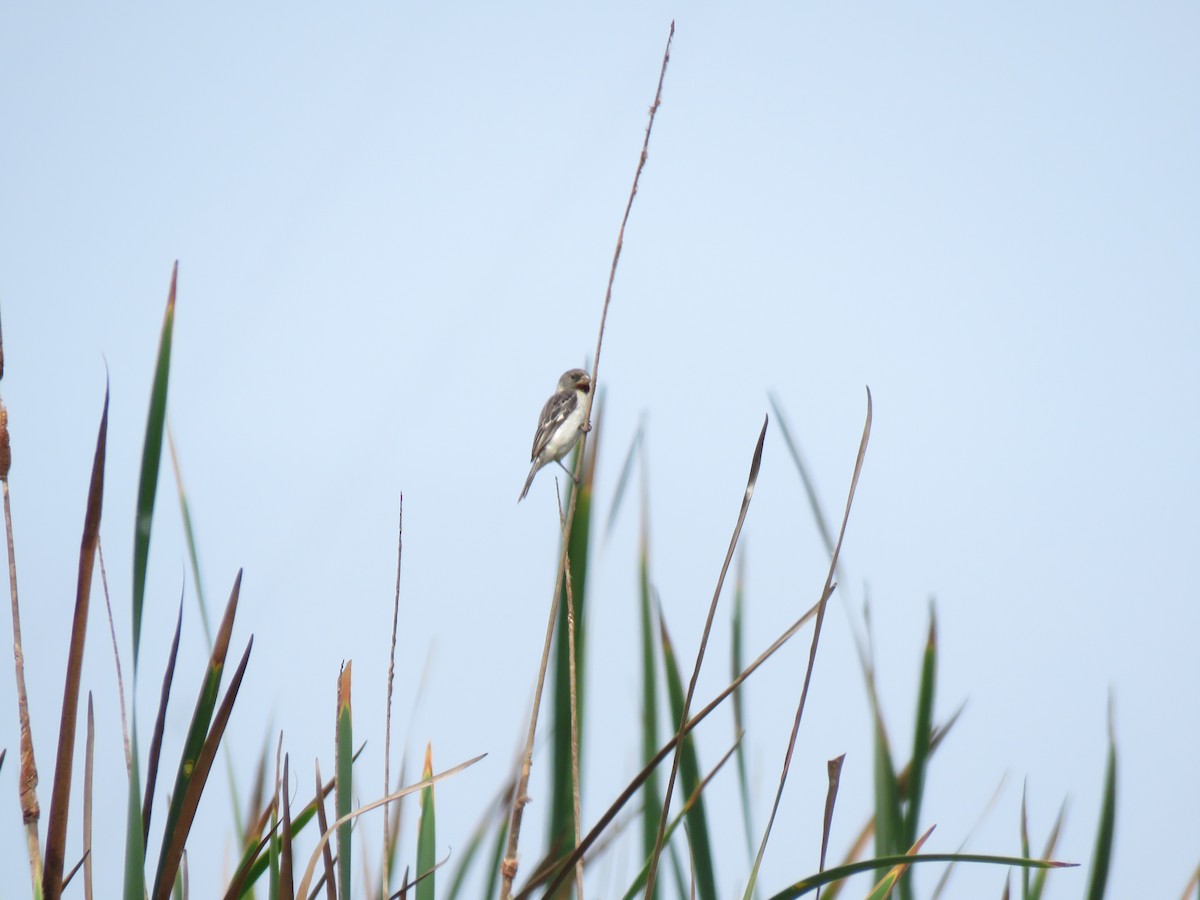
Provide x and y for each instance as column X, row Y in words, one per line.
column 306, row 881
column 159, row 724
column 1102, row 857
column 826, row 592
column 638, row 780
column 694, row 799
column 883, row 889
column 426, row 834
column 810, row 884
column 151, row 456
column 1039, row 881
column 755, row 464
column 175, row 839
column 60, row 797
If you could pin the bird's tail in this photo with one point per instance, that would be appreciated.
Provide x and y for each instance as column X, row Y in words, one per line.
column 533, row 470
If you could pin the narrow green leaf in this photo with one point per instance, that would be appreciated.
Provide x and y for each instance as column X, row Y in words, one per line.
column 135, row 844
column 561, row 827
column 922, row 736
column 689, row 775
column 344, row 782
column 737, row 641
column 176, row 839
column 889, row 817
column 426, row 834
column 812, row 882
column 1039, row 881
column 60, row 797
column 652, row 791
column 883, row 889
column 198, row 729
column 151, row 456
column 1102, row 857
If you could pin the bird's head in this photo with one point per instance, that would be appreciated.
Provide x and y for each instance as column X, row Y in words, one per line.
column 575, row 380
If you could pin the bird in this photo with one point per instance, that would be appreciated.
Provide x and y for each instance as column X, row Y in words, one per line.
column 561, row 423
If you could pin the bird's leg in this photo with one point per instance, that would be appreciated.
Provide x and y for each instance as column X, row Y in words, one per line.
column 569, row 472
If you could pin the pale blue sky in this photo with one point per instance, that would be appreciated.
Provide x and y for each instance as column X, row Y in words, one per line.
column 394, row 226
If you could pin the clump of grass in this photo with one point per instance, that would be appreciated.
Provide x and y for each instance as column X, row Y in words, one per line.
column 267, row 834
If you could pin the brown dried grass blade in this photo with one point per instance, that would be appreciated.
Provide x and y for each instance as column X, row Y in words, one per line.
column 60, row 797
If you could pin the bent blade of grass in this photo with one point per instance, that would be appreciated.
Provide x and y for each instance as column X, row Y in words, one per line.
column 922, row 733
column 689, row 773
column 829, row 876
column 175, row 839
column 694, row 799
column 883, row 889
column 635, row 785
column 755, row 465
column 306, row 881
column 826, row 592
column 160, row 723
column 60, row 797
column 1102, row 856
column 151, row 457
column 1039, row 881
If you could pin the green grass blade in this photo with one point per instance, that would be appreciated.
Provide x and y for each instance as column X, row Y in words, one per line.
column 151, row 456
column 344, row 782
column 651, row 791
column 198, row 730
column 737, row 644
column 426, row 834
column 135, row 845
column 1039, row 881
column 175, row 839
column 1102, row 857
column 889, row 816
column 60, row 797
column 811, row 883
column 561, row 833
column 883, row 889
column 689, row 775
column 922, row 736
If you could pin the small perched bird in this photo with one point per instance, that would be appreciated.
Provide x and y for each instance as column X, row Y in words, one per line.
column 561, row 423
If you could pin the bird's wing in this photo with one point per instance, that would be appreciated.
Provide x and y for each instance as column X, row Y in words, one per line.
column 554, row 413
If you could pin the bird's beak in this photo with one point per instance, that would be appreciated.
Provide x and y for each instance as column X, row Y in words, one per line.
column 586, row 384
